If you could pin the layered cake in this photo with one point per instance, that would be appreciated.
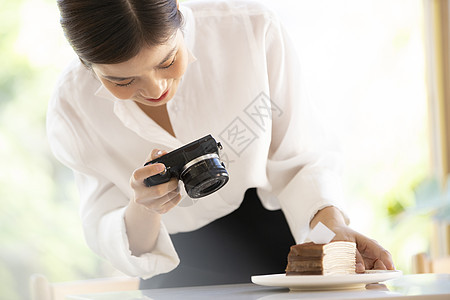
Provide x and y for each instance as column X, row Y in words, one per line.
column 335, row 258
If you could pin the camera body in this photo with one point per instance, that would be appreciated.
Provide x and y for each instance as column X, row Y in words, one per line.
column 197, row 164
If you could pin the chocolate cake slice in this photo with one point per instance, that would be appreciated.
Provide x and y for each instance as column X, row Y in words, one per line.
column 335, row 258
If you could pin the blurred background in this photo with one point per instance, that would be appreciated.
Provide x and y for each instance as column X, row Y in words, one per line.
column 371, row 67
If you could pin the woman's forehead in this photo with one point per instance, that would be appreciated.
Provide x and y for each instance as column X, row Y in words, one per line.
column 157, row 52
column 148, row 56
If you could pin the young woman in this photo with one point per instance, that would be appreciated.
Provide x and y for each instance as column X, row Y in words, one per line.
column 155, row 75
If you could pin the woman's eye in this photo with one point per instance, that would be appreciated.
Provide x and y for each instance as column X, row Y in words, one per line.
column 124, row 84
column 168, row 66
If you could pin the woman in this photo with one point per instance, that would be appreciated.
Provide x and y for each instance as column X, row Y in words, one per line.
column 153, row 76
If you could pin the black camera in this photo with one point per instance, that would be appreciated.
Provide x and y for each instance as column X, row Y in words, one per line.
column 197, row 164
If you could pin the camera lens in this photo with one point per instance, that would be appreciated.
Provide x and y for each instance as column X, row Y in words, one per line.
column 203, row 176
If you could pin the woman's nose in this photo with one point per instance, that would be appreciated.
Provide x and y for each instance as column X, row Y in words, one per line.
column 154, row 87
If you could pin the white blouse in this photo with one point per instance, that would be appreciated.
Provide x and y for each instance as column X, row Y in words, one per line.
column 244, row 89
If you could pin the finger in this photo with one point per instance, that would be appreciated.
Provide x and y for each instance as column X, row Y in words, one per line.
column 373, row 251
column 166, row 207
column 157, row 194
column 152, row 201
column 163, row 204
column 162, row 189
column 359, row 267
column 156, row 153
column 386, row 259
column 149, row 170
column 379, row 265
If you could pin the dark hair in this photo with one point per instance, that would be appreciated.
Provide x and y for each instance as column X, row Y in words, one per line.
column 114, row 31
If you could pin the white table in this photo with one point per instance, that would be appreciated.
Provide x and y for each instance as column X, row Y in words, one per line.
column 419, row 286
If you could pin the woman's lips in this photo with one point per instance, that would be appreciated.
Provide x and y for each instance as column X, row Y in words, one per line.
column 160, row 98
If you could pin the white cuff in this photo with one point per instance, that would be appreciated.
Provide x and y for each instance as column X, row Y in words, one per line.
column 305, row 195
column 114, row 246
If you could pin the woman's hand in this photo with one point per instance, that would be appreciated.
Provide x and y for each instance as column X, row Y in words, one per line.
column 159, row 198
column 143, row 213
column 369, row 254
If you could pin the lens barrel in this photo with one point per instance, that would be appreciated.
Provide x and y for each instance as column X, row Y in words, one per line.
column 204, row 176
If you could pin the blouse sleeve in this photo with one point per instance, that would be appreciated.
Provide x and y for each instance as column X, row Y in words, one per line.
column 105, row 232
column 304, row 163
column 102, row 203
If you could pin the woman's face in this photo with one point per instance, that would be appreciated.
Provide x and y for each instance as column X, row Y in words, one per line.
column 150, row 78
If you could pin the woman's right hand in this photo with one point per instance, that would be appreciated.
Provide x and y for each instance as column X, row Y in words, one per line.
column 159, row 198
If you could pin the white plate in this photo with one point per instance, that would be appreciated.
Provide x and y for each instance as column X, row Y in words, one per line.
column 330, row 282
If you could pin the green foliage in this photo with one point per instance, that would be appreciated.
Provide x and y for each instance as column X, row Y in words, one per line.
column 8, row 32
column 40, row 228
column 403, row 196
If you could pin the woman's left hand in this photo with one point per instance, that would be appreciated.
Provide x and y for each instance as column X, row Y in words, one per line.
column 369, row 254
